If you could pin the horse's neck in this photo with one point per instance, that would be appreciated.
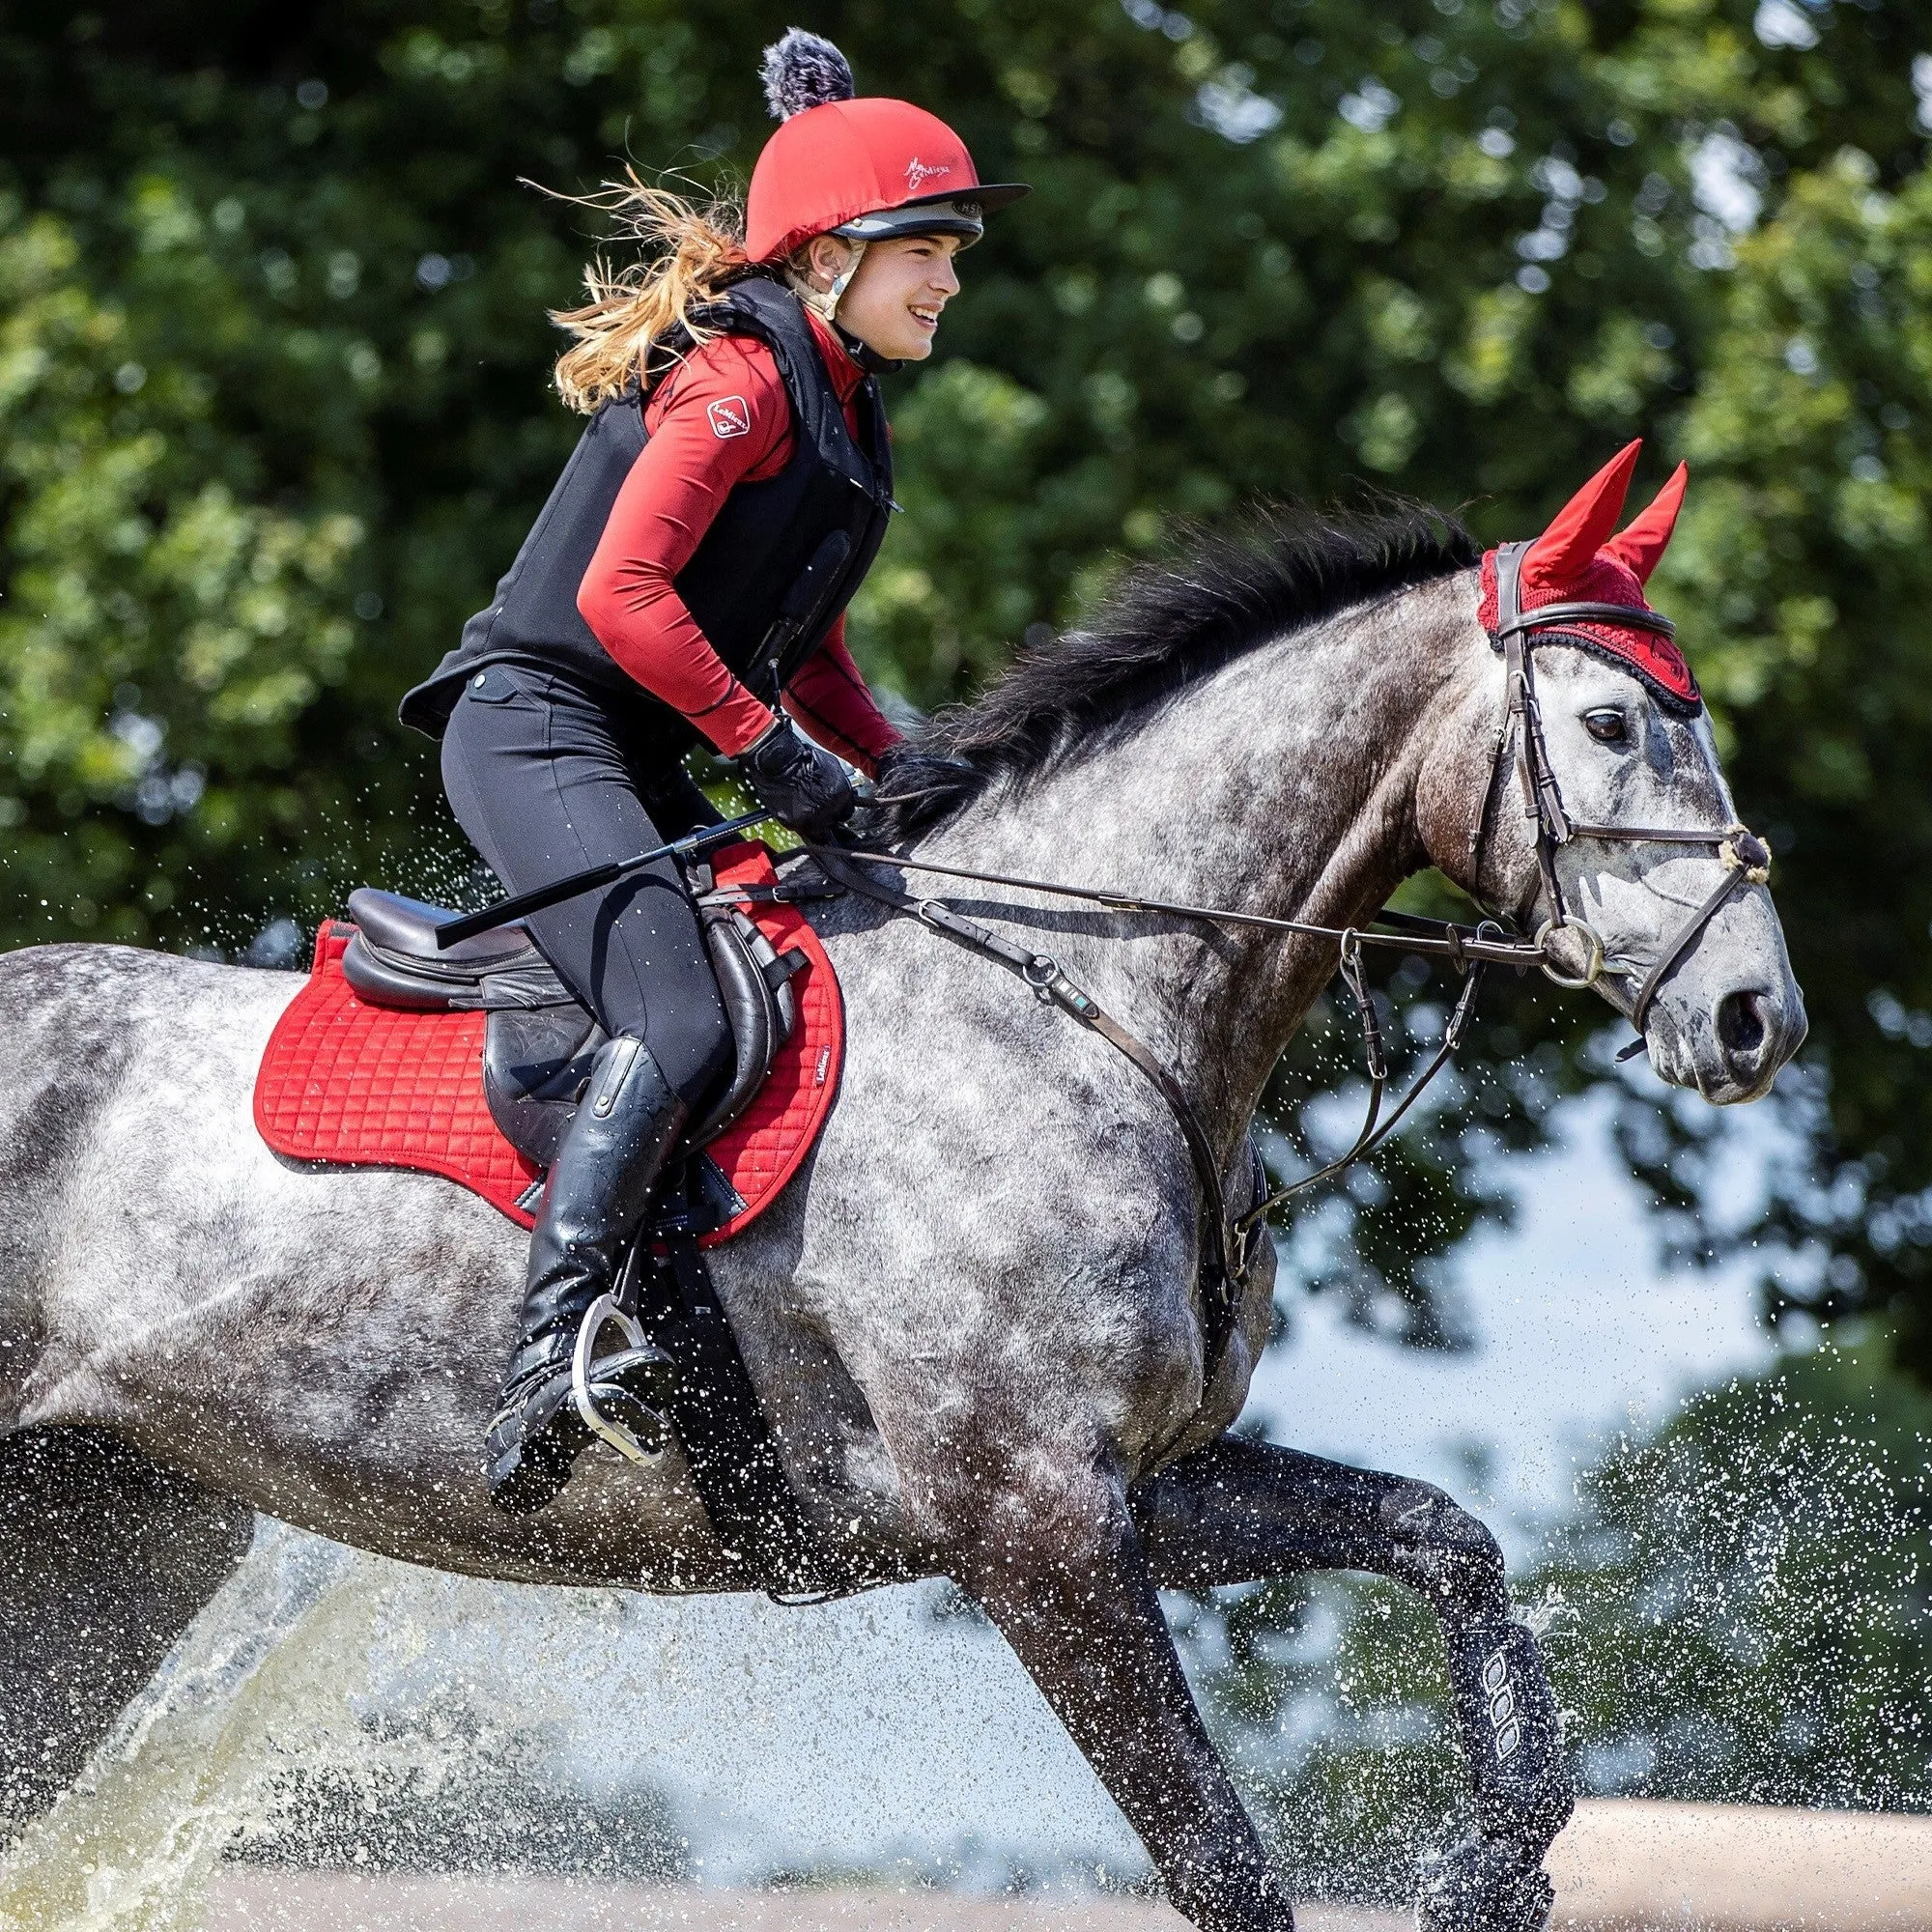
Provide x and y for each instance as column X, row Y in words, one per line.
column 1282, row 784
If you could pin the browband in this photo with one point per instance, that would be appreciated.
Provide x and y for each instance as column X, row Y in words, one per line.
column 1626, row 615
column 1510, row 617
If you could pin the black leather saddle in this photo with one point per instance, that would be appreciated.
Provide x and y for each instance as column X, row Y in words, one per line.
column 538, row 1041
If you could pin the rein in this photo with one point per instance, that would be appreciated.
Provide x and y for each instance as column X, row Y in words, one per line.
column 1230, row 1250
column 1227, row 1245
column 1229, row 1242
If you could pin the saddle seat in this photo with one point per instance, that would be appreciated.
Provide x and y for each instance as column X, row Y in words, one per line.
column 538, row 1041
column 408, row 926
column 394, row 959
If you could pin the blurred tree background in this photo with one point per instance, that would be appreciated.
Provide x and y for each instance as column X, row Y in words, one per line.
column 275, row 415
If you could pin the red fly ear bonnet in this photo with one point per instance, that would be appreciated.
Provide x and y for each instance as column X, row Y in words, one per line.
column 1578, row 559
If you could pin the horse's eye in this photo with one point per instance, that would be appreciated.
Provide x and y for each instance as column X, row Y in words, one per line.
column 1606, row 726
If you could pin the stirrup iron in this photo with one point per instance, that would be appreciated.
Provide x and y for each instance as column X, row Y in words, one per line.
column 618, row 1423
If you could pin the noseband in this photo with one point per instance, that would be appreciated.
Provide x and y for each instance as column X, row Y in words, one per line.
column 1745, row 858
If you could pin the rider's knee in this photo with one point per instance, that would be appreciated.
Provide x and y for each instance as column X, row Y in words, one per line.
column 1443, row 1551
column 696, row 1049
column 717, row 1055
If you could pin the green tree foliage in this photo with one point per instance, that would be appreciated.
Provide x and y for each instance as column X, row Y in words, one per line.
column 1803, row 561
column 161, row 626
column 273, row 415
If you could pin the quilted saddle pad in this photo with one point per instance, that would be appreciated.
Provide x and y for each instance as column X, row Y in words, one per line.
column 349, row 1084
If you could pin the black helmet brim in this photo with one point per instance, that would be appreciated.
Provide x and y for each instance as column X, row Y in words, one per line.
column 962, row 212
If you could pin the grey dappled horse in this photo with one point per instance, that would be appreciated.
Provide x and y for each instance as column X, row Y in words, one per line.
column 973, row 1316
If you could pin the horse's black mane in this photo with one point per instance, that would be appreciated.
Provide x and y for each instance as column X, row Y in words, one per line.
column 1283, row 567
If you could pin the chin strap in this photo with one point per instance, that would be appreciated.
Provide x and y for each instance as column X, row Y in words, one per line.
column 824, row 303
column 864, row 354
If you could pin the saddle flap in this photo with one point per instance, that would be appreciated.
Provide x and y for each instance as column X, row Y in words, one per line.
column 535, row 1066
column 755, row 987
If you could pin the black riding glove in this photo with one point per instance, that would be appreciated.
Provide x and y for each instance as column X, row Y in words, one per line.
column 798, row 782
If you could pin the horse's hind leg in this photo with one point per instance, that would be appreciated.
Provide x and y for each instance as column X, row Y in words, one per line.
column 105, row 1559
column 1239, row 1512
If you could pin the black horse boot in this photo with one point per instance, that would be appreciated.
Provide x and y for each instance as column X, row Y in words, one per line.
column 600, row 1185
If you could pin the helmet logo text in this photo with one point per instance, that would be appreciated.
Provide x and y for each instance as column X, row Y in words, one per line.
column 918, row 174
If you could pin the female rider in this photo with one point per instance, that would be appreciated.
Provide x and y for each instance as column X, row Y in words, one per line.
column 687, row 583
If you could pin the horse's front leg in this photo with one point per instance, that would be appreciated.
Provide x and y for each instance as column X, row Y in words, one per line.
column 1056, row 1563
column 1238, row 1512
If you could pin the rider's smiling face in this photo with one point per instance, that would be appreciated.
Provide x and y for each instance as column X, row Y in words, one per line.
column 894, row 301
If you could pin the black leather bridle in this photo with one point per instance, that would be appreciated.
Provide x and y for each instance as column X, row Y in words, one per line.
column 1746, row 857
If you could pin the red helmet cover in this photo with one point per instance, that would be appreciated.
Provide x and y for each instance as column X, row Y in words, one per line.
column 831, row 163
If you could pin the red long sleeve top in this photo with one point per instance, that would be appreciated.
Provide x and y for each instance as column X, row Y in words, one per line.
column 719, row 420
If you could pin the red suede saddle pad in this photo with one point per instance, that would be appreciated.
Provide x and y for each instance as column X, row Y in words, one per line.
column 354, row 1085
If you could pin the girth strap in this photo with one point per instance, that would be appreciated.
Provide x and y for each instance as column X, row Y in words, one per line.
column 1225, row 1250
column 727, row 1443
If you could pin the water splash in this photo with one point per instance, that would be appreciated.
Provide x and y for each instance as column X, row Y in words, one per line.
column 129, row 1847
column 335, row 1709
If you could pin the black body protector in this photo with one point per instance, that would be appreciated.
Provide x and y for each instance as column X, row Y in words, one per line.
column 779, row 564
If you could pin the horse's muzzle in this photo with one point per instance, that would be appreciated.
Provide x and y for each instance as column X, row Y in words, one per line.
column 1732, row 1052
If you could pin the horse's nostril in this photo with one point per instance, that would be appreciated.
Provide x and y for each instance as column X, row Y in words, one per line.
column 1741, row 1022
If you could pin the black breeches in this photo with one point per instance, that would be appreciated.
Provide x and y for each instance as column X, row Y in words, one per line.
column 547, row 778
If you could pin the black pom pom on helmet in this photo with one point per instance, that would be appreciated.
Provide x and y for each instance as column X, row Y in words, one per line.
column 804, row 70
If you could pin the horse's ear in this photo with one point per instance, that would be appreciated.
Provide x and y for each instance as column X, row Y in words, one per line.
column 1567, row 548
column 1642, row 543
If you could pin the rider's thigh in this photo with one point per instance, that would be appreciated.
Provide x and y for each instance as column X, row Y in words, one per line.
column 538, row 776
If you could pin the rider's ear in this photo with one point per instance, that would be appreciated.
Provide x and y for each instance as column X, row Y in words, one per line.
column 1643, row 542
column 1566, row 548
column 824, row 255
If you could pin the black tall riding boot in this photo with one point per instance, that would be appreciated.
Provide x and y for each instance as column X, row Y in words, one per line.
column 627, row 1122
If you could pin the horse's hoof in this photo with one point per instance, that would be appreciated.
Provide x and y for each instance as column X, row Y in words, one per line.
column 1479, row 1887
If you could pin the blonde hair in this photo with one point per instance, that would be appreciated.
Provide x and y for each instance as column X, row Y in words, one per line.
column 689, row 252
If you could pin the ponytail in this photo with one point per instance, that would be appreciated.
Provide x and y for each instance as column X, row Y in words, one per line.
column 690, row 253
